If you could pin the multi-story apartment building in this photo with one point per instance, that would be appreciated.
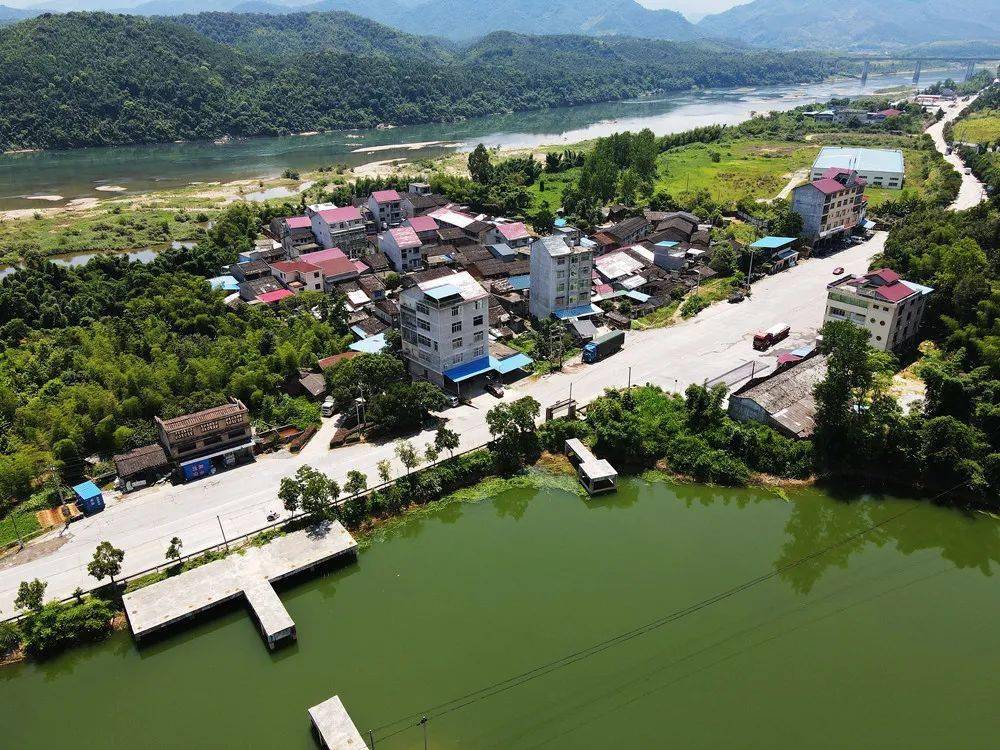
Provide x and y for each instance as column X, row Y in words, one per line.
column 386, row 207
column 401, row 246
column 831, row 205
column 444, row 325
column 294, row 233
column 339, row 227
column 881, row 302
column 560, row 278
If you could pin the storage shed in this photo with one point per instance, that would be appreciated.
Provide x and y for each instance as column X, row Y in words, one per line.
column 89, row 498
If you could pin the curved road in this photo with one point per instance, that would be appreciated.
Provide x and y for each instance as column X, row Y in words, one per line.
column 972, row 191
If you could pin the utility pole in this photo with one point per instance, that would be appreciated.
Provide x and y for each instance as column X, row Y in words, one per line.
column 371, row 738
column 13, row 520
column 423, row 722
column 224, row 540
column 629, row 379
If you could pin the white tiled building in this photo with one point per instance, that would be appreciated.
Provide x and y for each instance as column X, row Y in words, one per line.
column 401, row 246
column 386, row 207
column 444, row 324
column 560, row 278
column 881, row 302
column 342, row 227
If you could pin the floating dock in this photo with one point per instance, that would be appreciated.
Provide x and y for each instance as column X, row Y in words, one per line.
column 596, row 474
column 248, row 574
column 333, row 726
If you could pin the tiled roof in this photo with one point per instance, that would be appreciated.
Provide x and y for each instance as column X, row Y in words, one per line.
column 405, row 237
column 513, row 231
column 828, row 186
column 327, row 362
column 141, row 459
column 335, row 215
column 423, row 224
column 298, row 222
column 276, row 296
column 385, row 196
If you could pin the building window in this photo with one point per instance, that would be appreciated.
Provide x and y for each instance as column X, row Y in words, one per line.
column 480, row 351
column 478, row 320
column 456, row 343
column 455, row 311
column 423, row 324
column 422, row 308
column 424, row 341
column 456, row 327
column 477, row 336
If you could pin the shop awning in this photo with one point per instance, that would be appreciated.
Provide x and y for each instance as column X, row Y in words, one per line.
column 509, row 364
column 468, row 370
column 580, row 311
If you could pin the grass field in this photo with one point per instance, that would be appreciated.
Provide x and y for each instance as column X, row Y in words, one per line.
column 979, row 127
column 98, row 229
column 738, row 169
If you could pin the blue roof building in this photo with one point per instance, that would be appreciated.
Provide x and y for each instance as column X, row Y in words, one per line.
column 89, row 497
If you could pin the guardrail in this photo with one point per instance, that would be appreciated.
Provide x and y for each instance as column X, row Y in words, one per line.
column 123, row 582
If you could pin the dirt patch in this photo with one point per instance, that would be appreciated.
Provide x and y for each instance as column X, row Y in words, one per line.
column 555, row 463
column 32, row 552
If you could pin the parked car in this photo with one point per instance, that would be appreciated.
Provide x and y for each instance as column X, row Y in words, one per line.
column 494, row 388
column 453, row 400
column 838, row 270
column 968, row 170
column 328, row 407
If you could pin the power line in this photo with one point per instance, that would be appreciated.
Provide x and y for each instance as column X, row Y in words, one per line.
column 501, row 686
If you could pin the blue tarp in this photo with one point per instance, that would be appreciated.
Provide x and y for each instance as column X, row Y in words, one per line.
column 468, row 370
column 580, row 311
column 228, row 283
column 371, row 345
column 520, row 283
column 515, row 362
column 667, row 243
column 773, row 243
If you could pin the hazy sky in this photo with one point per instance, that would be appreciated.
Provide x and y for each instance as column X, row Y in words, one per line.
column 693, row 9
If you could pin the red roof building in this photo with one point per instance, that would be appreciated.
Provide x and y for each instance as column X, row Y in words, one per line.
column 882, row 302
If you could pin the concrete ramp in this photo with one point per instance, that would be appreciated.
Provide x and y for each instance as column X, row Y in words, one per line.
column 333, row 726
column 248, row 573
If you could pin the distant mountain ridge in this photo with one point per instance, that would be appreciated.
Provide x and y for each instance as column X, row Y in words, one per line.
column 855, row 24
column 121, row 79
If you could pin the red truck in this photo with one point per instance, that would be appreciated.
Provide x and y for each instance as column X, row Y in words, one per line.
column 764, row 340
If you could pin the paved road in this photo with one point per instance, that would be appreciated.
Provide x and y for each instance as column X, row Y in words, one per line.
column 972, row 191
column 717, row 340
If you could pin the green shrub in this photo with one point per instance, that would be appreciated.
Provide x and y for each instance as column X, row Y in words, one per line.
column 10, row 639
column 57, row 626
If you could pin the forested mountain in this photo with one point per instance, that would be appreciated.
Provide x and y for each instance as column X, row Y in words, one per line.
column 467, row 19
column 297, row 33
column 126, row 79
column 820, row 24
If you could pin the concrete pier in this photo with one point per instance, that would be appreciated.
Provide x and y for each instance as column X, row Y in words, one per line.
column 333, row 726
column 248, row 574
column 596, row 474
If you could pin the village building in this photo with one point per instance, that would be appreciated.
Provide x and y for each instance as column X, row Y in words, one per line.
column 876, row 166
column 298, row 275
column 831, row 205
column 201, row 443
column 444, row 326
column 560, row 279
column 333, row 264
column 782, row 399
column 514, row 234
column 343, row 228
column 882, row 302
column 295, row 234
column 401, row 246
column 386, row 207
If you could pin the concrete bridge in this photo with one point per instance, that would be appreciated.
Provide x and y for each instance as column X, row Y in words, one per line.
column 917, row 60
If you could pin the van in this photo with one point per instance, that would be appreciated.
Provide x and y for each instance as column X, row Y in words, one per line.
column 328, row 408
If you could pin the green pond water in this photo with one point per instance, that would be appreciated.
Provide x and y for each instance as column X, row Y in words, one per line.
column 887, row 640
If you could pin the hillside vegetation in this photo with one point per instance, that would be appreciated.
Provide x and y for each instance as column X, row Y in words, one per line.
column 95, row 79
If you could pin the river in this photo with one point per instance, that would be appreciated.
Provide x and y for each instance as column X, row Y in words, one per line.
column 56, row 177
column 887, row 640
